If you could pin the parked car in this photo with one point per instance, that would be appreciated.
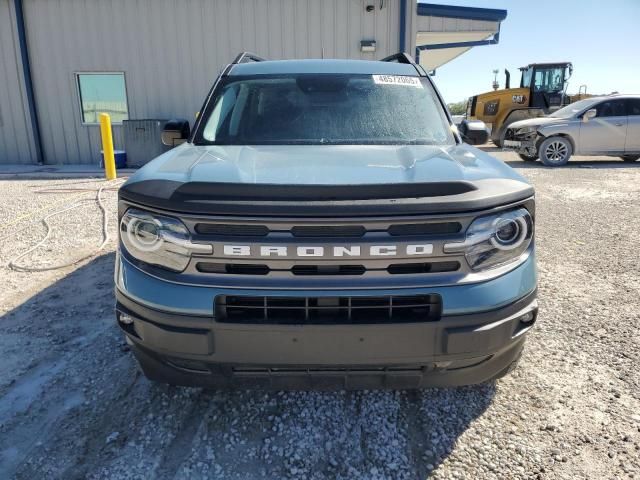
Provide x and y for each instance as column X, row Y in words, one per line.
column 325, row 225
column 608, row 125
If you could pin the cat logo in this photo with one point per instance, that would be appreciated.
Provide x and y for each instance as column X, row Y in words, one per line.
column 519, row 99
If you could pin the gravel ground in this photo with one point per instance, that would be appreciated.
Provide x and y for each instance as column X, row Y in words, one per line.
column 73, row 405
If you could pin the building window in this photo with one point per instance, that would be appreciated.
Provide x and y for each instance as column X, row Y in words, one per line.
column 102, row 93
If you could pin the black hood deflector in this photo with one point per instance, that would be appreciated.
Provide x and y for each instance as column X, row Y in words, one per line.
column 208, row 198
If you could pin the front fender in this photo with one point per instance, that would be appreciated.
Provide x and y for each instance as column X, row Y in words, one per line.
column 563, row 129
column 566, row 129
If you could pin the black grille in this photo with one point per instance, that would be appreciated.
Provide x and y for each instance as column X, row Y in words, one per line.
column 233, row 268
column 232, row 230
column 429, row 267
column 441, row 228
column 328, row 231
column 260, row 269
column 328, row 270
column 327, row 310
column 311, row 270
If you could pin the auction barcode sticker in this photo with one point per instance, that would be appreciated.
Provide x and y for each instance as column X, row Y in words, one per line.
column 397, row 80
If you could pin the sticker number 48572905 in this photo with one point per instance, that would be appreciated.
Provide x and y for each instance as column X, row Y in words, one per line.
column 397, row 80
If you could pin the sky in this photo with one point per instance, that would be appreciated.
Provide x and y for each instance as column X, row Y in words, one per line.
column 600, row 37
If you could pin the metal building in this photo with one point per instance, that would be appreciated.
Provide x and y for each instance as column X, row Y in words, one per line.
column 63, row 62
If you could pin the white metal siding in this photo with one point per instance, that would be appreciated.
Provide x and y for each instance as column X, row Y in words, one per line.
column 439, row 30
column 172, row 50
column 426, row 23
column 16, row 143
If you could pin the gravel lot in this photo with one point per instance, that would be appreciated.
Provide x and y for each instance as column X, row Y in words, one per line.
column 73, row 405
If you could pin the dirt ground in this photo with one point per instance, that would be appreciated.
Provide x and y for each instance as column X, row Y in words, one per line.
column 73, row 404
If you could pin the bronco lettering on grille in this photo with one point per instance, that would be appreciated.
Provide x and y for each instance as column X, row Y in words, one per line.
column 327, row 251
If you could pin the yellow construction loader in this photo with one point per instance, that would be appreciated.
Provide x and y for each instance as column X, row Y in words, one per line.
column 542, row 90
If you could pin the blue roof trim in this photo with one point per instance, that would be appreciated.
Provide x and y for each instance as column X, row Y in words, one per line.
column 477, row 43
column 468, row 13
column 403, row 24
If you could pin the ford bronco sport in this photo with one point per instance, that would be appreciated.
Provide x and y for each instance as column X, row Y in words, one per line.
column 325, row 225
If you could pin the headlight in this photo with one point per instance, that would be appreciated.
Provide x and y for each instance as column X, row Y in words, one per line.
column 158, row 240
column 525, row 130
column 495, row 240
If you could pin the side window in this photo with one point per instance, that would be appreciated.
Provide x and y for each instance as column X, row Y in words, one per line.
column 611, row 108
column 633, row 106
column 102, row 93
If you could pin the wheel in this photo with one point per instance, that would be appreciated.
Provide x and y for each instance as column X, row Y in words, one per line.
column 502, row 133
column 499, row 142
column 555, row 151
column 528, row 158
column 630, row 158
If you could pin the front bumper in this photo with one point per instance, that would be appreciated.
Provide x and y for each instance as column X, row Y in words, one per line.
column 479, row 337
column 525, row 143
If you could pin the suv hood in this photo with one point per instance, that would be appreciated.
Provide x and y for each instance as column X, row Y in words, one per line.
column 289, row 178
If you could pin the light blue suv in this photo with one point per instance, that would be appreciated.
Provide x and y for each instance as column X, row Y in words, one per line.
column 325, row 226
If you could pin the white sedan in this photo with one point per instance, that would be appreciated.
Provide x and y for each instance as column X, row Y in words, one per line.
column 608, row 125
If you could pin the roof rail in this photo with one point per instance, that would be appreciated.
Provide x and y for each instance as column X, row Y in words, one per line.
column 246, row 57
column 399, row 57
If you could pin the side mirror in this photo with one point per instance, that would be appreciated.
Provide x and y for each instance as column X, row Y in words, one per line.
column 473, row 132
column 175, row 132
column 589, row 114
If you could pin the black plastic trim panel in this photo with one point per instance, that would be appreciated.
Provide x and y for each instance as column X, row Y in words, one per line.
column 324, row 200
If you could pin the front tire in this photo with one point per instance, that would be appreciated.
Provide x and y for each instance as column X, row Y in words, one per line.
column 555, row 151
column 499, row 142
column 630, row 158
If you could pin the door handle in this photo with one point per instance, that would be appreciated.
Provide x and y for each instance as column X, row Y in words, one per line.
column 618, row 124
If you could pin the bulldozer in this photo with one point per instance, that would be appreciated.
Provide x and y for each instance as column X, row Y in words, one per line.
column 542, row 90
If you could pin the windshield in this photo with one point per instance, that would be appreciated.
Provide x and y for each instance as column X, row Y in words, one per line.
column 545, row 79
column 572, row 109
column 325, row 109
column 550, row 79
column 525, row 81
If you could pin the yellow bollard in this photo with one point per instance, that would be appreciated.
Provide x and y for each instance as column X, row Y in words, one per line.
column 107, row 146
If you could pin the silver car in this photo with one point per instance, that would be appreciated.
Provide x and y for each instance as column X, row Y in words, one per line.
column 608, row 125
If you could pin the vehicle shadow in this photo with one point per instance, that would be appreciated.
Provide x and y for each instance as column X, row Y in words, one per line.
column 573, row 164
column 599, row 162
column 490, row 148
column 74, row 405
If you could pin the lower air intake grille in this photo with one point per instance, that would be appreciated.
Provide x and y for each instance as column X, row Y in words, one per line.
column 327, row 310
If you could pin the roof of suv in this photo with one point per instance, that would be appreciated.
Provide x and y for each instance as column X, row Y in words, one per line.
column 611, row 96
column 364, row 67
